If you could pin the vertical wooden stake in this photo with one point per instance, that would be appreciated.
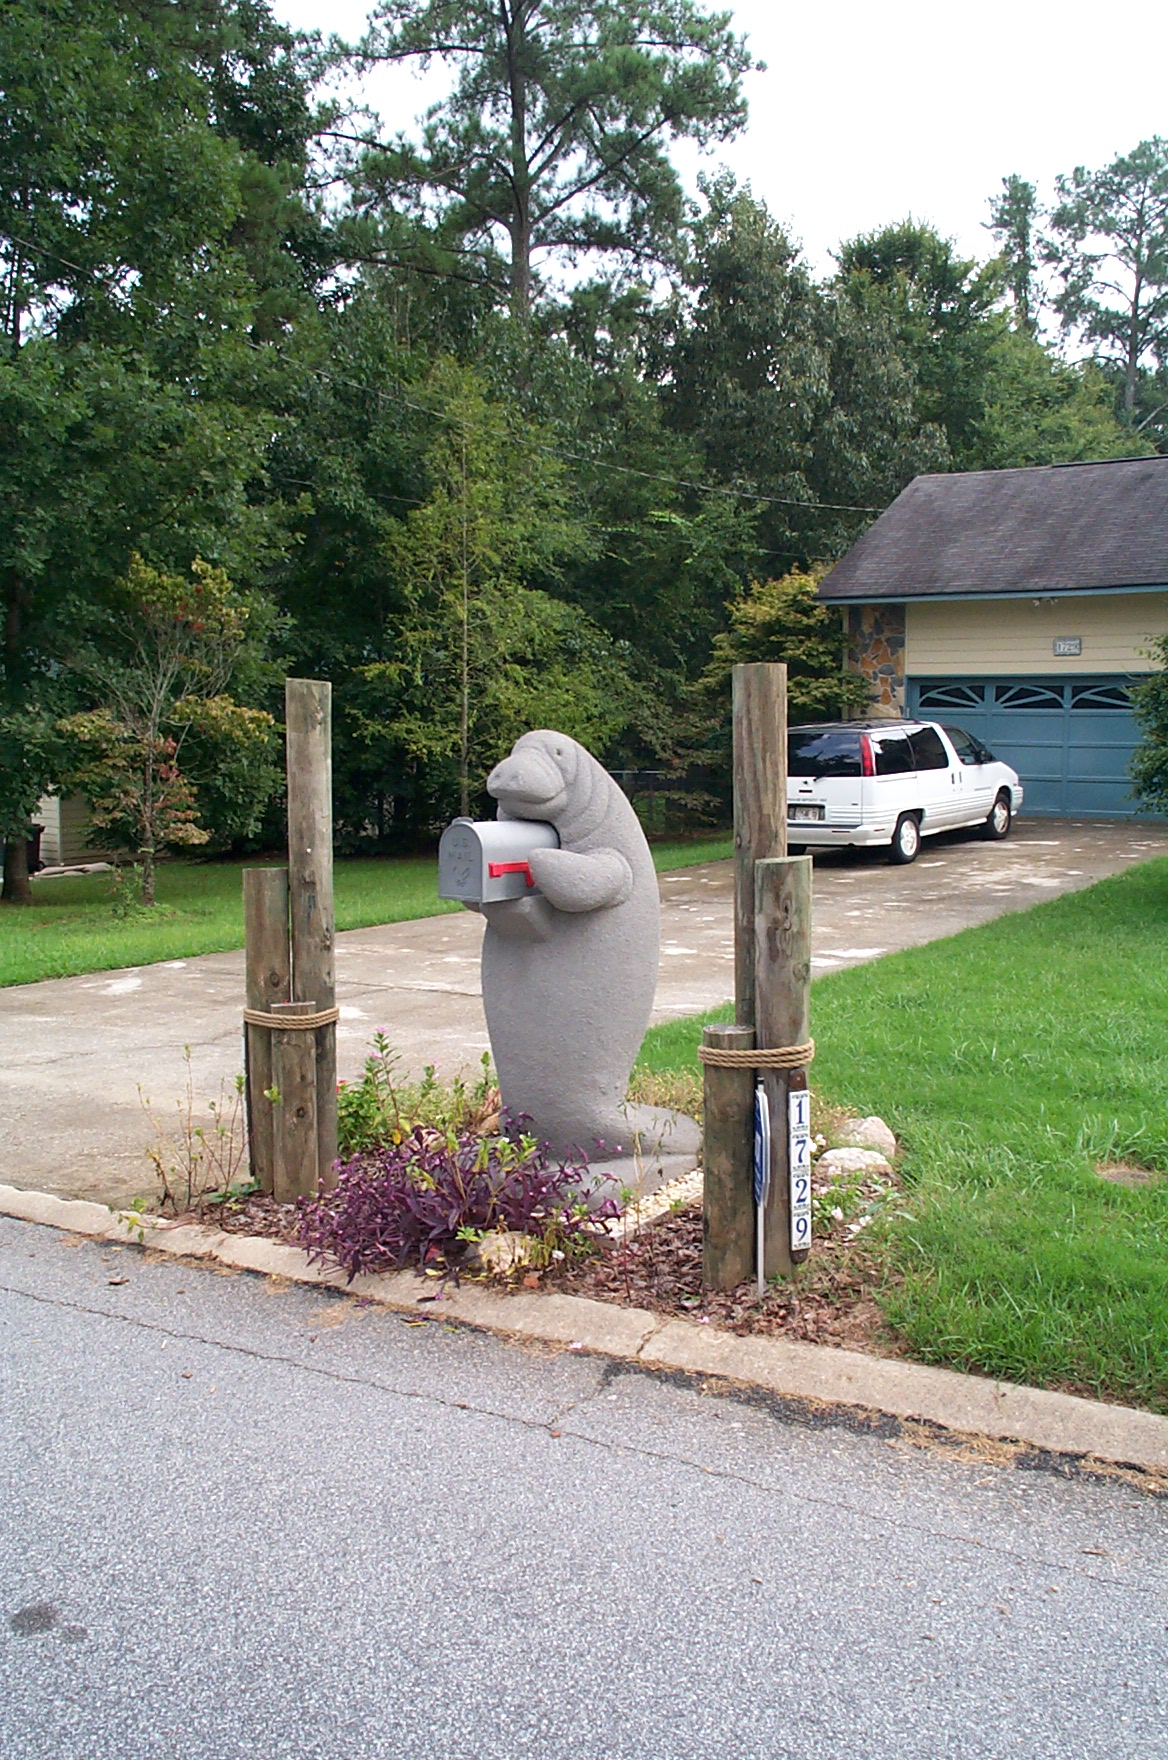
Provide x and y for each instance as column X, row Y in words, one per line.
column 269, row 978
column 308, row 717
column 782, row 928
column 727, row 1164
column 294, row 1112
column 760, row 806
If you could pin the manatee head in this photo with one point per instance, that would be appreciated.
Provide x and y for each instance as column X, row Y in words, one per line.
column 547, row 776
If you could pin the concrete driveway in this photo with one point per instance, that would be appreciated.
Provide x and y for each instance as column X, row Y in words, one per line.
column 77, row 1049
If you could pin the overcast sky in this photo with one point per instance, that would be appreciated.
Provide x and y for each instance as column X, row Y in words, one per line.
column 873, row 109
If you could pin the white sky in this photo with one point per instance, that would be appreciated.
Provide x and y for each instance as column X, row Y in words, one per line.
column 873, row 109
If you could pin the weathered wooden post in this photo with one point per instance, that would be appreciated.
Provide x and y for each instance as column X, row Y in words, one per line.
column 290, row 1016
column 782, row 935
column 295, row 1109
column 760, row 806
column 727, row 1162
column 308, row 719
column 269, row 980
column 772, row 972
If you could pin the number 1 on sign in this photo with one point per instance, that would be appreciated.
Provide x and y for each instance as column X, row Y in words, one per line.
column 799, row 1162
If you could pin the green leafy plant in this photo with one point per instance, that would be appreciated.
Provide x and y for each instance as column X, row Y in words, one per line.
column 380, row 1110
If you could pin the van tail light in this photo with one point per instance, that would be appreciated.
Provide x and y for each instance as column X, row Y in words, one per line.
column 867, row 761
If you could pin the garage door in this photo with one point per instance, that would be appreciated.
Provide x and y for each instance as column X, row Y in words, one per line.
column 1070, row 740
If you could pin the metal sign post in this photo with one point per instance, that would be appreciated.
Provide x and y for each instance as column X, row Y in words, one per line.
column 762, row 1178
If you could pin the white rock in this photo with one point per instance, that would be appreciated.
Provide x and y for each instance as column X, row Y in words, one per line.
column 868, row 1133
column 505, row 1250
column 841, row 1162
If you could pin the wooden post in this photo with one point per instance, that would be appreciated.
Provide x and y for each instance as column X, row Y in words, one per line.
column 782, row 929
column 727, row 1164
column 308, row 718
column 760, row 806
column 269, row 978
column 294, row 1073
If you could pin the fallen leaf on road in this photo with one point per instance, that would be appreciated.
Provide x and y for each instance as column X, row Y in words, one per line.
column 117, row 1280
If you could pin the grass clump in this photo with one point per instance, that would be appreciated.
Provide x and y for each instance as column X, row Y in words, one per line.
column 1012, row 1061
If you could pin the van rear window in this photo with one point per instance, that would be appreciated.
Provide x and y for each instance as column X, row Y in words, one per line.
column 820, row 751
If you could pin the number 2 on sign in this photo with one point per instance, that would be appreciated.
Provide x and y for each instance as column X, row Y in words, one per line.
column 799, row 1162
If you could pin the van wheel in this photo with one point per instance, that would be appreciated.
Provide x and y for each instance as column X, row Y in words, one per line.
column 1000, row 819
column 906, row 840
column 796, row 849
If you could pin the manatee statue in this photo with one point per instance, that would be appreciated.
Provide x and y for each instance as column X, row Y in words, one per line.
column 569, row 973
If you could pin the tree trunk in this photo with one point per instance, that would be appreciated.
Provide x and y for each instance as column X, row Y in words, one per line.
column 521, row 269
column 464, row 705
column 16, row 883
column 1134, row 339
column 520, row 227
column 146, row 857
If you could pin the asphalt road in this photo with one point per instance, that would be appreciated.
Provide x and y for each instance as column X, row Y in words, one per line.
column 242, row 1520
column 77, row 1051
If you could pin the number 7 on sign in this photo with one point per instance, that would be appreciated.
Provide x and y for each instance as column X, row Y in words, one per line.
column 799, row 1163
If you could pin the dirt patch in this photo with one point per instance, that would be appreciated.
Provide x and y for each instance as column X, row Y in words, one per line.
column 1127, row 1173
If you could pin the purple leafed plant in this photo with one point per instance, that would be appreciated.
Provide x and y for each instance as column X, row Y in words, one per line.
column 434, row 1192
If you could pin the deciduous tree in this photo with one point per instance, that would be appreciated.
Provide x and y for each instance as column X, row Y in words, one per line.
column 156, row 666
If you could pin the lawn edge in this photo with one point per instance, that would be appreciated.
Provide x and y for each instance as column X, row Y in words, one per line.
column 818, row 1382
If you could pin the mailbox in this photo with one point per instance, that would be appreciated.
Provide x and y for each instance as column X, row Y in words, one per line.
column 482, row 861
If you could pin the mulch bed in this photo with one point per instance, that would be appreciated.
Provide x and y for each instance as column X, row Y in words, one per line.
column 255, row 1215
column 830, row 1302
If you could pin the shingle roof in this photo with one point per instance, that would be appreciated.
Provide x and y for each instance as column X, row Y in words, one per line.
column 1046, row 529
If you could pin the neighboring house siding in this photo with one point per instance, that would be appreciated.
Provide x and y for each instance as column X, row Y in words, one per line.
column 64, row 842
column 1016, row 637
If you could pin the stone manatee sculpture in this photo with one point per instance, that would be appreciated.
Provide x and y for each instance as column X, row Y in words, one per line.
column 569, row 973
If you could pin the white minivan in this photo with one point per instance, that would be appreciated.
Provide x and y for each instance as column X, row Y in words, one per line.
column 892, row 782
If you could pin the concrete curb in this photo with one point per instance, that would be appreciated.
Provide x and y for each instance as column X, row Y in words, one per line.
column 816, row 1376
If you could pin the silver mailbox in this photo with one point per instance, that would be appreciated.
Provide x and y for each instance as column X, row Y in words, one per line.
column 482, row 861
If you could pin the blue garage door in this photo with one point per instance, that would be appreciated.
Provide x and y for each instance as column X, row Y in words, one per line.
column 1070, row 740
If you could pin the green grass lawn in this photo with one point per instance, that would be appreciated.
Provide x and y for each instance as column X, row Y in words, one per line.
column 1011, row 1060
column 73, row 926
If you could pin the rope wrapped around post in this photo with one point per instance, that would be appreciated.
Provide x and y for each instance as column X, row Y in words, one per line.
column 775, row 1057
column 295, row 1023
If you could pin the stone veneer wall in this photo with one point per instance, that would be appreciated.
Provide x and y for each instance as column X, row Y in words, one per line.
column 876, row 651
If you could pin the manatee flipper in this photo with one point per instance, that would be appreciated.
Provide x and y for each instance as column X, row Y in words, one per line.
column 574, row 882
column 519, row 919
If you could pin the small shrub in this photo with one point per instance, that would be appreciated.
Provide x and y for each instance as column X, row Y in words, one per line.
column 431, row 1194
column 379, row 1110
column 201, row 1161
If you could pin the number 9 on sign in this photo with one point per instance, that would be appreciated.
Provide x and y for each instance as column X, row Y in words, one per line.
column 799, row 1162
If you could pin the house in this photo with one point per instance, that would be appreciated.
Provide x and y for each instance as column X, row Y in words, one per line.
column 65, row 832
column 1019, row 605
